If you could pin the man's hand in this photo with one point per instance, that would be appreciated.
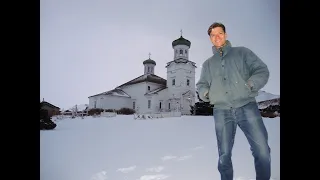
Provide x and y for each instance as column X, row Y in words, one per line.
column 206, row 94
column 250, row 84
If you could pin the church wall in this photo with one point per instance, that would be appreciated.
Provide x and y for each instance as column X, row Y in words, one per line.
column 94, row 102
column 150, row 70
column 162, row 97
column 152, row 85
column 137, row 91
column 115, row 102
column 181, row 72
column 109, row 102
column 184, row 54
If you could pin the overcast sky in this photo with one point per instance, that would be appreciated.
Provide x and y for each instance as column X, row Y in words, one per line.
column 91, row 46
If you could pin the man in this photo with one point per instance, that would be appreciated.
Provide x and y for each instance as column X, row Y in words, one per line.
column 230, row 80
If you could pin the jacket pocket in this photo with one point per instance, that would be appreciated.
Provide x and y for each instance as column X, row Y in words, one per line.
column 242, row 90
column 217, row 93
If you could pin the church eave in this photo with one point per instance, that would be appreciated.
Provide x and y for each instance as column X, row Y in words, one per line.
column 115, row 92
column 156, row 91
column 179, row 61
column 148, row 78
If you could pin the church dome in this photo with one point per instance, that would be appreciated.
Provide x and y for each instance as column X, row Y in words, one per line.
column 181, row 41
column 149, row 61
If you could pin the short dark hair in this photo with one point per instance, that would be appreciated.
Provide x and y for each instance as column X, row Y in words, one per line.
column 214, row 25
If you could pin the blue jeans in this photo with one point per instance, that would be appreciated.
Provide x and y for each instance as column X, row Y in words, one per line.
column 249, row 119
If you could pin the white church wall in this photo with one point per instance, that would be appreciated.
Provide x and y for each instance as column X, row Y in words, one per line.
column 109, row 102
column 149, row 69
column 115, row 102
column 95, row 102
column 181, row 72
column 91, row 102
column 137, row 91
column 186, row 106
column 162, row 97
column 184, row 54
column 152, row 85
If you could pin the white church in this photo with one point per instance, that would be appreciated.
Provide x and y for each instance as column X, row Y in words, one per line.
column 150, row 93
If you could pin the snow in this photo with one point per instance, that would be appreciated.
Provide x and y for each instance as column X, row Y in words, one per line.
column 121, row 148
column 267, row 103
column 263, row 96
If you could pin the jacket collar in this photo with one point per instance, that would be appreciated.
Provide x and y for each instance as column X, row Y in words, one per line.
column 225, row 48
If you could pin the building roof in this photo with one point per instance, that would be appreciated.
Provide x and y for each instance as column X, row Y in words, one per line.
column 43, row 103
column 114, row 92
column 181, row 41
column 149, row 61
column 145, row 78
column 156, row 90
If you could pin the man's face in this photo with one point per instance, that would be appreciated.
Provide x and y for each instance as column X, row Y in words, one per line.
column 218, row 37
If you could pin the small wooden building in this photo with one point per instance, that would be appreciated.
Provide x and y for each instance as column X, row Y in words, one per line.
column 52, row 109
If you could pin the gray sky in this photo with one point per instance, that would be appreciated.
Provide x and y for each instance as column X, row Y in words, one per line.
column 91, row 46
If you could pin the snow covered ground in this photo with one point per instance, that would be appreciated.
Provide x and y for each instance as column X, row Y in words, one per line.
column 121, row 148
column 263, row 96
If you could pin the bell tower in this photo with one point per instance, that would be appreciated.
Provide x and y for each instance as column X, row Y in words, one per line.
column 181, row 76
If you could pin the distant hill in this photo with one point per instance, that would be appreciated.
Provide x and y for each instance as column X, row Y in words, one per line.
column 264, row 96
column 269, row 104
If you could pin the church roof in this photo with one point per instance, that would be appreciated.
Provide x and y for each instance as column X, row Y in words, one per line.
column 114, row 92
column 156, row 90
column 149, row 61
column 145, row 78
column 181, row 41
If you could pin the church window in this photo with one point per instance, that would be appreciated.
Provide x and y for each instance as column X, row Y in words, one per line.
column 148, row 88
column 160, row 105
column 148, row 69
column 173, row 82
column 181, row 51
column 134, row 105
column 169, row 106
column 95, row 104
column 188, row 82
column 149, row 104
